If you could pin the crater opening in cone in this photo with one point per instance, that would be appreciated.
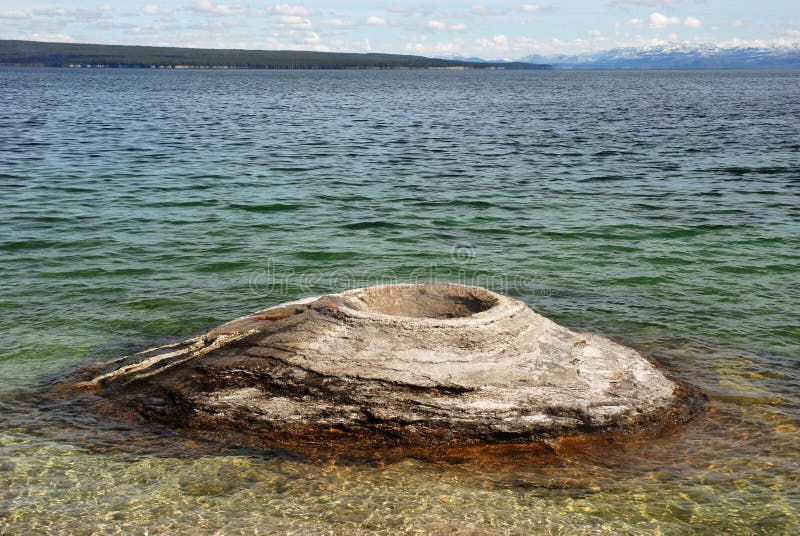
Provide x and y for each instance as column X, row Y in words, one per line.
column 426, row 301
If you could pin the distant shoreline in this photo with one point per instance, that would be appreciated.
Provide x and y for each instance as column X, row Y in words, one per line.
column 14, row 53
column 237, row 68
column 233, row 68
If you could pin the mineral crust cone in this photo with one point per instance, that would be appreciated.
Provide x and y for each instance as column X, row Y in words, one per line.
column 396, row 364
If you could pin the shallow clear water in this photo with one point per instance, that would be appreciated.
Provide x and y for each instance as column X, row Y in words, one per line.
column 659, row 208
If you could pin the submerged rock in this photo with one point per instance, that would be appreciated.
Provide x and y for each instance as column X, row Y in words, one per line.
column 396, row 364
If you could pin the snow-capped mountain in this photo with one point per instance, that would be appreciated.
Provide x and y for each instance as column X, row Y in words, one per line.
column 679, row 56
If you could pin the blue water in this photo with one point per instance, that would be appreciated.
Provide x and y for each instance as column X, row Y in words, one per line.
column 659, row 208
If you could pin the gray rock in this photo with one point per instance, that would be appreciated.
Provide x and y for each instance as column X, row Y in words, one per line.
column 397, row 364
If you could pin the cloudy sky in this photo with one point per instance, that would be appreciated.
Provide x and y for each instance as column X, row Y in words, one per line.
column 490, row 30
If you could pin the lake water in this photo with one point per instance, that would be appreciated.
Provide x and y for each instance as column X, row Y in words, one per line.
column 661, row 209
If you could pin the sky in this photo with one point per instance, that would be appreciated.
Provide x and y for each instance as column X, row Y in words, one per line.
column 490, row 30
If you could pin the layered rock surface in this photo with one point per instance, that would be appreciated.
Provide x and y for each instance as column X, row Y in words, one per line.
column 401, row 364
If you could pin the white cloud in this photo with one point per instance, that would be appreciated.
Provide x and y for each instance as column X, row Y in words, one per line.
column 793, row 33
column 285, row 9
column 294, row 22
column 375, row 21
column 167, row 36
column 692, row 22
column 295, row 31
column 105, row 7
column 502, row 46
column 441, row 26
column 657, row 21
column 210, row 8
column 152, row 9
column 625, row 4
column 52, row 12
column 792, row 39
column 338, row 23
column 400, row 10
column 78, row 15
column 738, row 23
column 483, row 11
column 290, row 40
column 530, row 8
column 13, row 14
column 497, row 43
column 216, row 25
column 51, row 38
column 447, row 48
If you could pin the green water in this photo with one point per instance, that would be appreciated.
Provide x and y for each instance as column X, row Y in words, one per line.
column 661, row 209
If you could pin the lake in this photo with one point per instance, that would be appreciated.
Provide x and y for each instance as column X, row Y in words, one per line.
column 659, row 208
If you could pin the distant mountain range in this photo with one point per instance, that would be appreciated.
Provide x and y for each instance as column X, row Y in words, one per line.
column 672, row 56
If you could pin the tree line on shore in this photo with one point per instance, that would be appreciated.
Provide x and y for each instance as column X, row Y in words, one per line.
column 34, row 53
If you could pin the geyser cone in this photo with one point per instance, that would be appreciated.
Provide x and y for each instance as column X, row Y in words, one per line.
column 396, row 364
